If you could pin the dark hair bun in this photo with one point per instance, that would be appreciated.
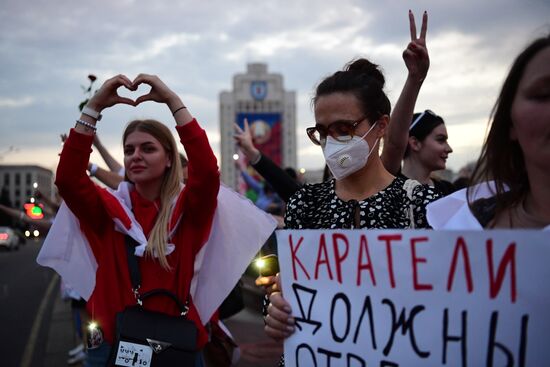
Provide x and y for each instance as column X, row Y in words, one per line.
column 365, row 81
column 364, row 66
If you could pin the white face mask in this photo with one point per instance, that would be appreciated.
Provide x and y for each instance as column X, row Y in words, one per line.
column 343, row 159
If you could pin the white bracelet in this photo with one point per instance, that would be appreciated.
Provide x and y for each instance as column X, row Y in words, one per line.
column 93, row 169
column 87, row 124
column 256, row 159
column 92, row 113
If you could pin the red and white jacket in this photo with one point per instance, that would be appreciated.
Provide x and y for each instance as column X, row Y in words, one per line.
column 87, row 248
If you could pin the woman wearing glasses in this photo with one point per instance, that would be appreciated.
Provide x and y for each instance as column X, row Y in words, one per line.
column 427, row 151
column 352, row 114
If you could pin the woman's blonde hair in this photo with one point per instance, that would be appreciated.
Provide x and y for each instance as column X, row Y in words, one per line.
column 170, row 188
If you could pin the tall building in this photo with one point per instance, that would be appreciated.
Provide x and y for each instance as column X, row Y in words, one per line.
column 18, row 182
column 260, row 97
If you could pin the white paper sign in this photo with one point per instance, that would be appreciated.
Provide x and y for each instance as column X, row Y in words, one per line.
column 417, row 298
column 131, row 354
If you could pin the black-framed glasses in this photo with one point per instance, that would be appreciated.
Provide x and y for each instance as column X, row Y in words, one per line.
column 419, row 118
column 341, row 130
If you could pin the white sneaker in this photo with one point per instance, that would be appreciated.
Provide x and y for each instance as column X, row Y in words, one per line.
column 79, row 357
column 73, row 352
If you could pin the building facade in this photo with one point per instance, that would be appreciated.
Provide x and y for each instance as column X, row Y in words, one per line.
column 259, row 97
column 17, row 182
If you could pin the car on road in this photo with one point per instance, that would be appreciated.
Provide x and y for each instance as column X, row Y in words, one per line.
column 8, row 239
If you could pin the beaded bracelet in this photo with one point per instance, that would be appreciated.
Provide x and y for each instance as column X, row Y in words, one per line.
column 87, row 124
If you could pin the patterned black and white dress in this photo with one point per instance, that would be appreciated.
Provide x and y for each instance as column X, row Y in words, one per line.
column 317, row 206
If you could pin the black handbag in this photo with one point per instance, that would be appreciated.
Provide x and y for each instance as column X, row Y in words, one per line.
column 148, row 338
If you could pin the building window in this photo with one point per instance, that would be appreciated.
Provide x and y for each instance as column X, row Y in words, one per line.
column 18, row 179
column 28, row 179
column 17, row 193
column 7, row 179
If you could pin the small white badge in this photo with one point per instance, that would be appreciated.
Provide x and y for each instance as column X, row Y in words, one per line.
column 131, row 354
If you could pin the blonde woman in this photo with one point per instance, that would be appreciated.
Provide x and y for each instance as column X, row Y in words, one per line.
column 169, row 223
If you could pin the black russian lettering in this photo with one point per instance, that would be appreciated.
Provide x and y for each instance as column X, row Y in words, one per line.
column 308, row 362
column 354, row 357
column 367, row 307
column 345, row 299
column 305, row 297
column 453, row 338
column 330, row 354
column 406, row 325
column 494, row 344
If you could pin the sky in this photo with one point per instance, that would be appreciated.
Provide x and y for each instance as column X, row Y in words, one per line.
column 48, row 48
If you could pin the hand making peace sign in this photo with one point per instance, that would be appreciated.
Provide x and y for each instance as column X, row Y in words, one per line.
column 243, row 138
column 416, row 55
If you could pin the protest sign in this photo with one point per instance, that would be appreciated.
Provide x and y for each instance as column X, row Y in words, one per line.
column 417, row 298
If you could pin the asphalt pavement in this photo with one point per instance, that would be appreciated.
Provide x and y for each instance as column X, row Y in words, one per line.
column 257, row 350
column 26, row 303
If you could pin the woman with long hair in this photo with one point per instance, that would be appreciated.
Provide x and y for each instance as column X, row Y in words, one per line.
column 516, row 153
column 168, row 223
column 511, row 179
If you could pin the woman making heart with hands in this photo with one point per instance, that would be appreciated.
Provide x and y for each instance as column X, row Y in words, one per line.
column 169, row 223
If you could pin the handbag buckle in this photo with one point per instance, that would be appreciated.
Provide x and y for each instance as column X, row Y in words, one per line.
column 157, row 345
column 185, row 310
column 137, row 296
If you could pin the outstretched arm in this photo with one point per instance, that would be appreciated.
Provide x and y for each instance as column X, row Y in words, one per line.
column 111, row 162
column 284, row 185
column 74, row 185
column 42, row 224
column 417, row 61
column 109, row 178
column 160, row 93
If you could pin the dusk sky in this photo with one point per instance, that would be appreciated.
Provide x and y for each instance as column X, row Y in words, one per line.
column 48, row 48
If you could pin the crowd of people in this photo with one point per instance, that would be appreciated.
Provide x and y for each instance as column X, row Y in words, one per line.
column 171, row 207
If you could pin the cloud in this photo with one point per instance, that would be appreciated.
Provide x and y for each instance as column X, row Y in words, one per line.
column 162, row 45
column 16, row 102
column 197, row 47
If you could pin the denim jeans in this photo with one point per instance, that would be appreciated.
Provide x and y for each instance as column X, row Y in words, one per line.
column 99, row 356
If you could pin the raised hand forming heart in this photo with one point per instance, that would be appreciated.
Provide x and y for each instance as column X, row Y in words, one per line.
column 108, row 96
column 133, row 94
column 159, row 91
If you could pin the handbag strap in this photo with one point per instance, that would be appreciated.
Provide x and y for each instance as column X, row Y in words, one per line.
column 409, row 187
column 133, row 267
column 135, row 278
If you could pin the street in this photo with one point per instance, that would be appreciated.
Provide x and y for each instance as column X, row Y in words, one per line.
column 26, row 300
